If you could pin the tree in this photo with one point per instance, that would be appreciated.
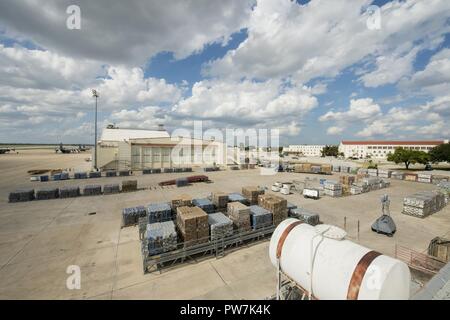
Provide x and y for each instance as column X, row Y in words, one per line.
column 332, row 151
column 408, row 157
column 440, row 153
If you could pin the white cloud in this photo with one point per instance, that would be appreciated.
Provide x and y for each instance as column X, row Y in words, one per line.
column 128, row 87
column 434, row 79
column 360, row 109
column 42, row 69
column 247, row 103
column 125, row 34
column 335, row 130
column 322, row 38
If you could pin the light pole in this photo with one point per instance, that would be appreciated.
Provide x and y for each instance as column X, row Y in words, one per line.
column 95, row 95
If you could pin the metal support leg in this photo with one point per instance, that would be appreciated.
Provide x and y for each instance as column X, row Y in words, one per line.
column 278, row 279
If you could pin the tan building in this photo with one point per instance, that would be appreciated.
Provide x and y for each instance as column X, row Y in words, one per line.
column 140, row 149
column 380, row 149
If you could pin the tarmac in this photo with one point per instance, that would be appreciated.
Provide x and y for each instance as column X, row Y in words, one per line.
column 39, row 240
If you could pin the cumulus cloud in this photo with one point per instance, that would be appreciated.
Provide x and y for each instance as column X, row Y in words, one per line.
column 360, row 109
column 321, row 38
column 335, row 130
column 434, row 79
column 248, row 103
column 41, row 69
column 125, row 34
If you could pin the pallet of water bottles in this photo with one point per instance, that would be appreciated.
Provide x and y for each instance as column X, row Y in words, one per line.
column 29, row 194
column 56, row 175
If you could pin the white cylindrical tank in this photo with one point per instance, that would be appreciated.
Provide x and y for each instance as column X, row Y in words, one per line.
column 332, row 262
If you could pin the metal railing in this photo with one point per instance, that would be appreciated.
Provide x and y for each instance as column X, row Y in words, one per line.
column 417, row 260
column 200, row 247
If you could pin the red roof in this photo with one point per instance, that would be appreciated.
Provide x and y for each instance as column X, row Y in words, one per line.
column 396, row 143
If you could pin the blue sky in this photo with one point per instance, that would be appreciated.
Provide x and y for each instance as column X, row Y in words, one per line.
column 316, row 70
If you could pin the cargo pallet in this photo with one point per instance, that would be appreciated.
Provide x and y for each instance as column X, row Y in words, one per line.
column 185, row 251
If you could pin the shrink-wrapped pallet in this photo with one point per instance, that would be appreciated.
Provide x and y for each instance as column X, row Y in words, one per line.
column 129, row 185
column 130, row 216
column 220, row 225
column 306, row 216
column 260, row 217
column 275, row 204
column 92, row 190
column 47, row 194
column 183, row 200
column 240, row 215
column 21, row 195
column 161, row 237
column 220, row 199
column 192, row 222
column 159, row 212
column 69, row 192
column 410, row 176
column 252, row 193
column 423, row 203
column 205, row 204
column 111, row 188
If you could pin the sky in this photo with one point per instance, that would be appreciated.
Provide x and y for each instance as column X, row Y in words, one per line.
column 320, row 71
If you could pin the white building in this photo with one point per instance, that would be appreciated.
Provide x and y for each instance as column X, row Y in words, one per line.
column 140, row 149
column 306, row 150
column 380, row 149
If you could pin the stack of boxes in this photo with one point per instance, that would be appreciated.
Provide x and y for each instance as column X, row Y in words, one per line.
column 21, row 195
column 205, row 204
column 220, row 225
column 237, row 197
column 332, row 188
column 424, row 177
column 260, row 217
column 183, row 200
column 92, row 190
column 252, row 193
column 346, row 182
column 326, row 168
column 274, row 204
column 372, row 172
column 193, row 225
column 159, row 212
column 423, row 203
column 130, row 216
column 220, row 200
column 240, row 215
column 46, row 194
column 69, row 192
column 306, row 216
column 384, row 173
column 129, row 185
column 397, row 175
column 161, row 237
column 410, row 176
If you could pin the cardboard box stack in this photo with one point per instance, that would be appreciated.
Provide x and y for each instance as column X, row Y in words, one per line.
column 326, row 168
column 423, row 203
column 192, row 222
column 252, row 193
column 276, row 205
column 183, row 200
column 240, row 215
column 332, row 188
column 410, row 176
column 220, row 199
